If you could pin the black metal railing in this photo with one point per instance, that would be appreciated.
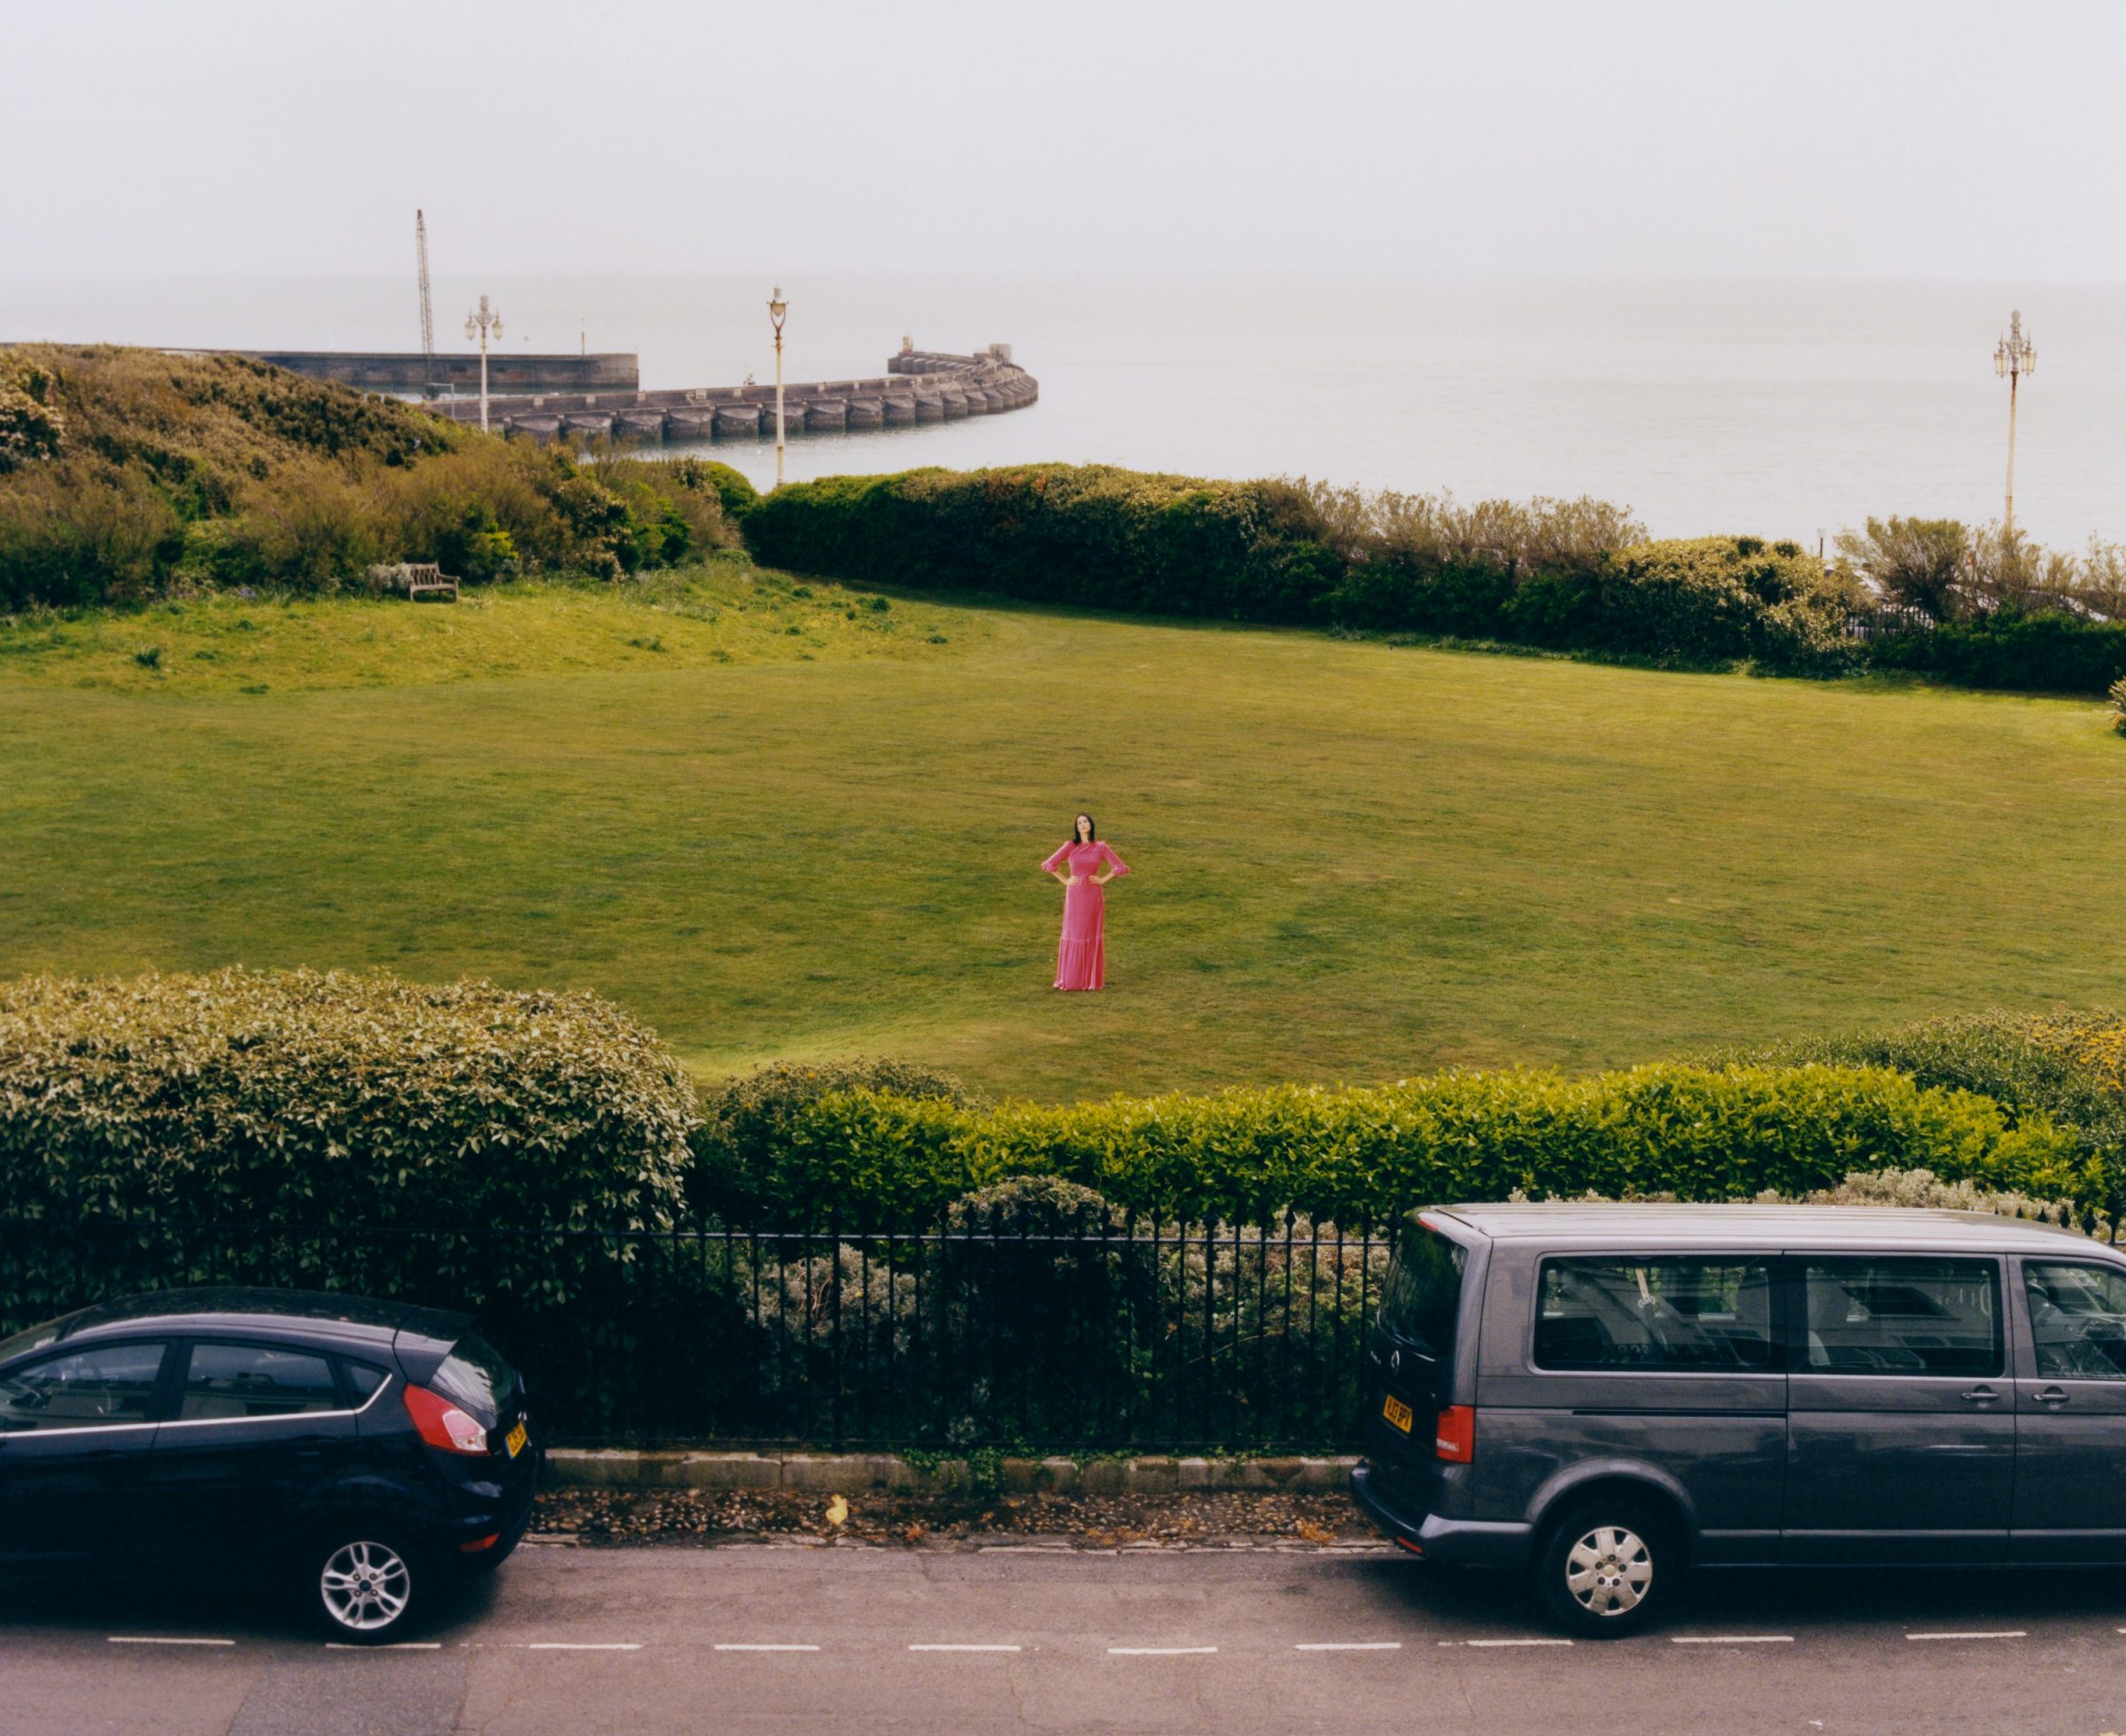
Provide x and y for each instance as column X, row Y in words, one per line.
column 1013, row 1330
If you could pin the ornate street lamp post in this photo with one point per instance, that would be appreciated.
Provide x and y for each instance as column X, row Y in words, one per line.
column 485, row 324
column 777, row 310
column 2015, row 357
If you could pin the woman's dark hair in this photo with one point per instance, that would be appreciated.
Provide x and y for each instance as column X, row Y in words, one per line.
column 1091, row 830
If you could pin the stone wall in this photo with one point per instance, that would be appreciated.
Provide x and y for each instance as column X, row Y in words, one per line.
column 919, row 386
column 385, row 371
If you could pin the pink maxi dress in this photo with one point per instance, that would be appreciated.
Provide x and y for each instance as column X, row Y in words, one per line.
column 1081, row 958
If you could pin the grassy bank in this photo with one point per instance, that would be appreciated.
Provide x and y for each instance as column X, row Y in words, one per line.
column 1354, row 861
column 719, row 612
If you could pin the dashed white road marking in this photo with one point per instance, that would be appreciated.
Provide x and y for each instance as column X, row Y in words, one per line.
column 2000, row 1634
column 966, row 1649
column 1350, row 1646
column 581, row 1646
column 1731, row 1639
column 1505, row 1642
column 1160, row 1651
column 161, row 1639
column 388, row 1646
column 737, row 1647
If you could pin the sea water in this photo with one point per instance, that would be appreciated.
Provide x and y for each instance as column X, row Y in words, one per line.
column 1781, row 408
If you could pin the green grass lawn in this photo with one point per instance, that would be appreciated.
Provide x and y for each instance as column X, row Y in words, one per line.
column 1354, row 861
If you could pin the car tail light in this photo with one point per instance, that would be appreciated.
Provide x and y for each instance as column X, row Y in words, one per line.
column 1454, row 1434
column 442, row 1424
column 480, row 1543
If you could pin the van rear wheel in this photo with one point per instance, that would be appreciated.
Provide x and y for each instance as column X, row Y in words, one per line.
column 1606, row 1567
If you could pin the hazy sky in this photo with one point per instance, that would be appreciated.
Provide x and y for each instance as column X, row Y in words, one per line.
column 1924, row 140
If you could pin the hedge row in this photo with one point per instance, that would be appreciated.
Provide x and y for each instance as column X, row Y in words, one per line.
column 2068, row 1068
column 1248, row 1156
column 1061, row 533
column 295, row 1098
column 2043, row 652
column 1568, row 575
column 300, row 1098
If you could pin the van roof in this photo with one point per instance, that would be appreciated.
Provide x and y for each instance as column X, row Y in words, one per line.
column 1590, row 1223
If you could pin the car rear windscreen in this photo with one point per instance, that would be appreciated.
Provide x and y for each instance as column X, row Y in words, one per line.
column 474, row 1374
column 1421, row 1298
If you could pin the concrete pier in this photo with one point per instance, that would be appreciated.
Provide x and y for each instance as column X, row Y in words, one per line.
column 919, row 387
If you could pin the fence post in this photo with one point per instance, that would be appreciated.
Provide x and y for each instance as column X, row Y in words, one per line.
column 834, row 1323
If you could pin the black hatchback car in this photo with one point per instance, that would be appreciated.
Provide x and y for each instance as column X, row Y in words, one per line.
column 373, row 1450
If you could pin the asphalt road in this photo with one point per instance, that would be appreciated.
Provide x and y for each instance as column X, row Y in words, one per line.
column 745, row 1638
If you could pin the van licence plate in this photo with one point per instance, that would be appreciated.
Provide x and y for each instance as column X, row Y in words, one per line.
column 1398, row 1413
column 519, row 1435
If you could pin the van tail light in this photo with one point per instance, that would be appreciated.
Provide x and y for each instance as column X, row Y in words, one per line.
column 442, row 1424
column 1454, row 1434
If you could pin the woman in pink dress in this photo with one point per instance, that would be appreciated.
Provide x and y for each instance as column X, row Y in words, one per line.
column 1081, row 960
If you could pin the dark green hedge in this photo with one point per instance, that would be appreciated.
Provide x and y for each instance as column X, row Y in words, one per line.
column 1700, row 1133
column 2047, row 652
column 295, row 1098
column 1280, row 552
column 1569, row 576
column 1084, row 534
column 2064, row 1066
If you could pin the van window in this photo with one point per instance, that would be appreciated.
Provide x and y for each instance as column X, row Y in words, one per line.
column 1654, row 1313
column 1904, row 1316
column 1422, row 1296
column 2077, row 1321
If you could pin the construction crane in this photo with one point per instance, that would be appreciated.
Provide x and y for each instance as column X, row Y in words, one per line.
column 428, row 322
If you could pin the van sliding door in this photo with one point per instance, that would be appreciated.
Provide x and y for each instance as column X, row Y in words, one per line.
column 1900, row 1414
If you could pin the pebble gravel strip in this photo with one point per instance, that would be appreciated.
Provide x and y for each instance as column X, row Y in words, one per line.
column 1228, row 1519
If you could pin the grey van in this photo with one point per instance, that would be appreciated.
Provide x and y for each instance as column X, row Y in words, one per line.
column 1604, row 1395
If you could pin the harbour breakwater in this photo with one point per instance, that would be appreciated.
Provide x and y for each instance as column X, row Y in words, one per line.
column 919, row 386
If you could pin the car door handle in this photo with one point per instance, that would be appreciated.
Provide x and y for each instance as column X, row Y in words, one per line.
column 1979, row 1395
column 2051, row 1395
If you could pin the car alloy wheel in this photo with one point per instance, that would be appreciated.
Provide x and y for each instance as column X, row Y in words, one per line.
column 1609, row 1571
column 366, row 1586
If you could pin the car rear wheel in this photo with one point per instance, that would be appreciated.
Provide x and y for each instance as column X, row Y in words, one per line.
column 1607, row 1566
column 367, row 1582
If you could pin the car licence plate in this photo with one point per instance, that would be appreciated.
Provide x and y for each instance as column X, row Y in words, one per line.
column 1398, row 1413
column 519, row 1435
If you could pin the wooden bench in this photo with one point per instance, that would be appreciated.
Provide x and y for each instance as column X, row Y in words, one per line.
column 417, row 579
